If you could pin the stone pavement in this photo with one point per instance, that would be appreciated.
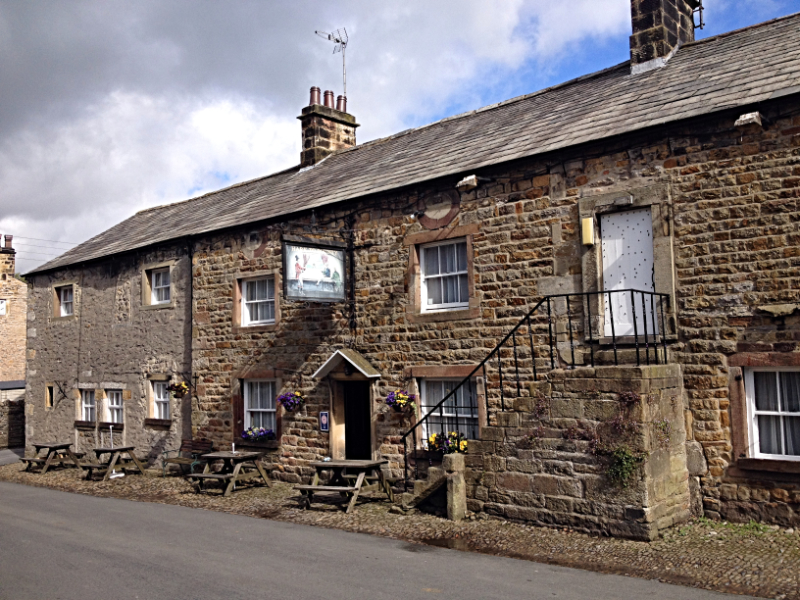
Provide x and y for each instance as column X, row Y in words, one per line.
column 743, row 559
column 11, row 455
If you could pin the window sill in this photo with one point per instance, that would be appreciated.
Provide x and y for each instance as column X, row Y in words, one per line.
column 85, row 425
column 769, row 465
column 158, row 423
column 59, row 318
column 265, row 328
column 444, row 315
column 158, row 306
column 105, row 425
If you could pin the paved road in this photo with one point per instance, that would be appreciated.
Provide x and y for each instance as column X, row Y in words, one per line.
column 59, row 546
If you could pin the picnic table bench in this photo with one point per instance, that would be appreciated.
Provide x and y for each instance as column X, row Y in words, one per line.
column 189, row 454
column 347, row 480
column 57, row 454
column 235, row 467
column 114, row 461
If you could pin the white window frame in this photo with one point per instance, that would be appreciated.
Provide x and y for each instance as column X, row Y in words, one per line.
column 88, row 406
column 114, row 412
column 66, row 306
column 246, row 322
column 268, row 411
column 424, row 278
column 154, row 289
column 752, row 413
column 425, row 408
column 161, row 407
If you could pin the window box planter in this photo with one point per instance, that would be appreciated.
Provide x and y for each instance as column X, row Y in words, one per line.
column 267, row 445
column 158, row 423
column 85, row 425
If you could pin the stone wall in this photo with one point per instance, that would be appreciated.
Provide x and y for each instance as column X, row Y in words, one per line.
column 729, row 215
column 551, row 460
column 113, row 341
column 12, row 418
column 12, row 325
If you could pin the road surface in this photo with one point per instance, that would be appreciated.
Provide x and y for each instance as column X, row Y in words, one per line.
column 60, row 546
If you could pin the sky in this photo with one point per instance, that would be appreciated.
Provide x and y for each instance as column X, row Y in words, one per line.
column 109, row 107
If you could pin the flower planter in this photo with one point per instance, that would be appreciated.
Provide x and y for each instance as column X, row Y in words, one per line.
column 267, row 445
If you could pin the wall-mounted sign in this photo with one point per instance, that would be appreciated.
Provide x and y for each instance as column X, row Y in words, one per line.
column 2, row 308
column 313, row 273
column 324, row 423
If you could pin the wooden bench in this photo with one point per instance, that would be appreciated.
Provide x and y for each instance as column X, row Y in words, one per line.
column 188, row 455
column 33, row 461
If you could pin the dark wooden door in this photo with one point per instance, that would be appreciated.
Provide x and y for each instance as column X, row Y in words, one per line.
column 357, row 426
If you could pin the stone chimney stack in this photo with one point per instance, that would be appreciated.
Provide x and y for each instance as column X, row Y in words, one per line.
column 660, row 27
column 325, row 128
column 7, row 259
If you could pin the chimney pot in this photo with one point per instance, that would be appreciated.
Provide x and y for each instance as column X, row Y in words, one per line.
column 329, row 98
column 314, row 96
column 341, row 104
column 8, row 241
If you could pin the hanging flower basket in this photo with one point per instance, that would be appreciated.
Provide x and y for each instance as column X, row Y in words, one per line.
column 292, row 401
column 258, row 434
column 452, row 443
column 178, row 390
column 401, row 401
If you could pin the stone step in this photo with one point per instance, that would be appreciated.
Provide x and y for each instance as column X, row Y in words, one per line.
column 423, row 488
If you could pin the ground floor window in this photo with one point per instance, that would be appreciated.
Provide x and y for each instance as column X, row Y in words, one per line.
column 459, row 413
column 114, row 401
column 259, row 404
column 87, row 405
column 160, row 400
column 773, row 404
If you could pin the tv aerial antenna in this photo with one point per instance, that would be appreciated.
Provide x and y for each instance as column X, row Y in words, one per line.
column 340, row 39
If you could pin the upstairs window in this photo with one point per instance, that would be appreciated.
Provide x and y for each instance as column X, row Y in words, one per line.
column 65, row 301
column 773, row 403
column 445, row 275
column 259, row 404
column 258, row 301
column 88, row 412
column 114, row 406
column 160, row 286
column 160, row 400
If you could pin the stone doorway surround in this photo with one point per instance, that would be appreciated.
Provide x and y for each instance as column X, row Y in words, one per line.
column 655, row 197
column 346, row 365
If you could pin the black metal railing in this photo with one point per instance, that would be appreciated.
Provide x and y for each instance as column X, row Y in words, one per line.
column 536, row 344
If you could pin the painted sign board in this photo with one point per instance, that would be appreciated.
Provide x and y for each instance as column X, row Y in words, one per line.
column 314, row 273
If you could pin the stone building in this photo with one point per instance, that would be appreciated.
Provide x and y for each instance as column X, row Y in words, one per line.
column 486, row 261
column 13, row 314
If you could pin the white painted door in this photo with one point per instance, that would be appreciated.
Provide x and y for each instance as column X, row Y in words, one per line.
column 627, row 243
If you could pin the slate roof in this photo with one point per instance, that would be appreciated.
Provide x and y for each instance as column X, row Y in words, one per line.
column 739, row 68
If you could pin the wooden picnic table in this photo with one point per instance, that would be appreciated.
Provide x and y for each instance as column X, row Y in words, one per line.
column 57, row 454
column 347, row 479
column 107, row 467
column 235, row 467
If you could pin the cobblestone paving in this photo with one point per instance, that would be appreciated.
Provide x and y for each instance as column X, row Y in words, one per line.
column 743, row 559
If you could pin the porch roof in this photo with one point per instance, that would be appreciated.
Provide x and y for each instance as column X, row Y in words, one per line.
column 358, row 361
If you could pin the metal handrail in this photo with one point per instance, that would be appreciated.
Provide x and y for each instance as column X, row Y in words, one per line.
column 552, row 342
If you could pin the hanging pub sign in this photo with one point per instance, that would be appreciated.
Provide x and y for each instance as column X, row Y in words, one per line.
column 313, row 271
